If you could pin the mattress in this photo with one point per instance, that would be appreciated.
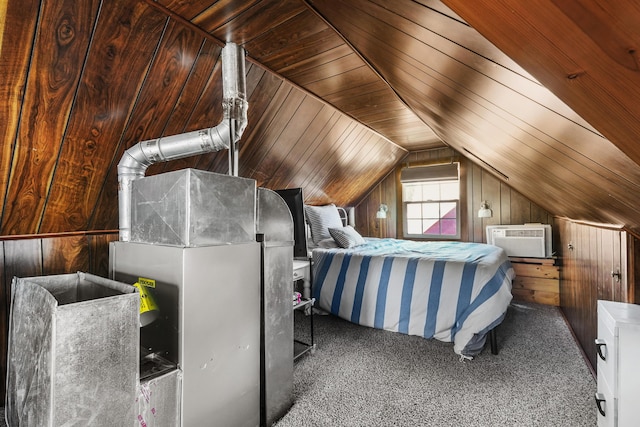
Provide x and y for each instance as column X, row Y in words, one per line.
column 451, row 291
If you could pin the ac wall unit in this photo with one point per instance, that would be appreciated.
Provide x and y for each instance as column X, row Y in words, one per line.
column 527, row 241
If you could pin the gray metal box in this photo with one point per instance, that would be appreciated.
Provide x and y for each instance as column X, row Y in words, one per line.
column 209, row 324
column 190, row 208
column 274, row 221
column 73, row 351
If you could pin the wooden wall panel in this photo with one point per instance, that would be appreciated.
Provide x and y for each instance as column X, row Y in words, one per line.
column 206, row 114
column 588, row 255
column 604, row 246
column 15, row 49
column 561, row 42
column 65, row 254
column 189, row 112
column 251, row 21
column 589, row 263
column 477, row 185
column 165, row 107
column 104, row 102
column 367, row 223
column 306, row 50
column 351, row 165
column 63, row 35
column 505, row 203
column 80, row 90
column 289, row 108
column 413, row 73
column 306, row 29
column 293, row 167
column 621, row 257
column 520, row 208
column 22, row 258
column 563, row 236
column 485, row 103
column 152, row 110
column 491, row 192
column 389, row 192
column 474, row 184
column 99, row 253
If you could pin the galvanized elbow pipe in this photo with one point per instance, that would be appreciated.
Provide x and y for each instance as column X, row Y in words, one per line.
column 138, row 158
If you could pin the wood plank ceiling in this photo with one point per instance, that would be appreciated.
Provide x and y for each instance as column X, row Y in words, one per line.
column 339, row 92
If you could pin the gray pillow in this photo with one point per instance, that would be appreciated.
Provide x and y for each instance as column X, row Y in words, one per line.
column 346, row 237
column 320, row 219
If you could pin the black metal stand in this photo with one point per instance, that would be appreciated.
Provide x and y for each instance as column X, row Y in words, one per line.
column 493, row 340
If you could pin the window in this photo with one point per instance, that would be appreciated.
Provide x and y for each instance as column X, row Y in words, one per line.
column 431, row 201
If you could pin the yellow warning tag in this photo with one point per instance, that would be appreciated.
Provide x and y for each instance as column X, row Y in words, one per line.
column 149, row 283
column 146, row 300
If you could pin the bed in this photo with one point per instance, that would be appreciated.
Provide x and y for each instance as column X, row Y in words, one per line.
column 451, row 291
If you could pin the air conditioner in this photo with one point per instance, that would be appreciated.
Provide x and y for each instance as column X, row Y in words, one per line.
column 528, row 240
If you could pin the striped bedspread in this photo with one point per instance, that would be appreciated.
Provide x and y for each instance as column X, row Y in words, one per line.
column 452, row 291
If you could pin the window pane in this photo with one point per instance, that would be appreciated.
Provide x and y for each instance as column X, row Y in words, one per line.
column 414, row 226
column 450, row 190
column 449, row 227
column 431, row 210
column 414, row 210
column 412, row 192
column 431, row 191
column 449, row 210
column 431, row 226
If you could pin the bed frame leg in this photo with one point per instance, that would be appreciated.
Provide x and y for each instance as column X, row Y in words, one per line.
column 494, row 341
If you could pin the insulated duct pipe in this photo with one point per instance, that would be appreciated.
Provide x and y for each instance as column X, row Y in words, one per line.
column 138, row 158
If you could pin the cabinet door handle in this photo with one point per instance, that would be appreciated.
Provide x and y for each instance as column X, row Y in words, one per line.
column 616, row 275
column 599, row 400
column 600, row 343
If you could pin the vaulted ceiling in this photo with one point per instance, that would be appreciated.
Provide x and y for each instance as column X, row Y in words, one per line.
column 544, row 96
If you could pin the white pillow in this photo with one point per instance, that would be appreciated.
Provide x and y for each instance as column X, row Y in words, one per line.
column 346, row 237
column 321, row 218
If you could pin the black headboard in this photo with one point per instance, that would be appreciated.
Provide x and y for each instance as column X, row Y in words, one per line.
column 293, row 197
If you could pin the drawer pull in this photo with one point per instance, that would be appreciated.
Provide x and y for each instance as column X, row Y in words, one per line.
column 600, row 343
column 599, row 400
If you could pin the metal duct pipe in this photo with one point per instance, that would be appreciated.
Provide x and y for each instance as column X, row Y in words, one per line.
column 138, row 158
column 234, row 100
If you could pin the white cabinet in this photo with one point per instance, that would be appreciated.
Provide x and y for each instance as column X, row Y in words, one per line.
column 618, row 348
column 302, row 274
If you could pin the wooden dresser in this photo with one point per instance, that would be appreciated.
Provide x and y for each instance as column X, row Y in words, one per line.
column 537, row 280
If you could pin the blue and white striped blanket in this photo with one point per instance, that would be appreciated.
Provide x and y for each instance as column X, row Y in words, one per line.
column 452, row 291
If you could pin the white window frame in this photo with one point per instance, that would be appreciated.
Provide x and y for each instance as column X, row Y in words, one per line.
column 438, row 175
